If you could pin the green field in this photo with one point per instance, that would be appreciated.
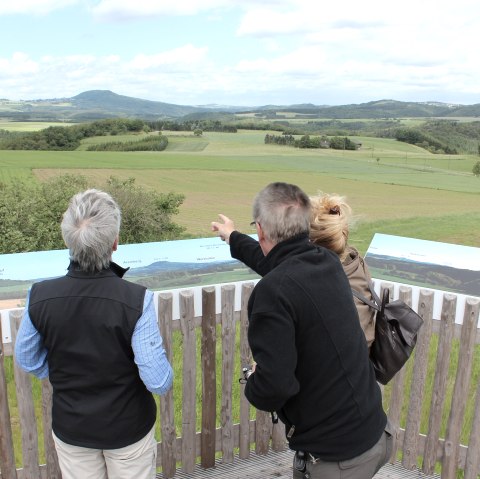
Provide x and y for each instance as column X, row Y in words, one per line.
column 26, row 125
column 394, row 188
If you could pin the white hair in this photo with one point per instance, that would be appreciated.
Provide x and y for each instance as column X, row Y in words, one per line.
column 90, row 227
column 283, row 211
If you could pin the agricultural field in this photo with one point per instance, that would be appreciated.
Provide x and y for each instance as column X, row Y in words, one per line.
column 394, row 188
column 26, row 126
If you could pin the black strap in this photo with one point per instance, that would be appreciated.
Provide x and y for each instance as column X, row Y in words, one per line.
column 376, row 303
column 365, row 300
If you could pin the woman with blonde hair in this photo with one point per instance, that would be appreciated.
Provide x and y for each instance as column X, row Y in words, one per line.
column 329, row 227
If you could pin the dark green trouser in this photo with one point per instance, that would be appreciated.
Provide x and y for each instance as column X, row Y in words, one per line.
column 364, row 466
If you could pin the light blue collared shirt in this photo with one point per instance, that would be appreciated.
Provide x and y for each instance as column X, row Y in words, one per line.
column 149, row 354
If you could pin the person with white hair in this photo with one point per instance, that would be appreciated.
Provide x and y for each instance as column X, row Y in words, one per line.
column 96, row 337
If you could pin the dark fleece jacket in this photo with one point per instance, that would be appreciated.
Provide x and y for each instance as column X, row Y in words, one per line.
column 311, row 354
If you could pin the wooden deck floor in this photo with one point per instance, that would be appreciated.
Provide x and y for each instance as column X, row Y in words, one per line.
column 278, row 465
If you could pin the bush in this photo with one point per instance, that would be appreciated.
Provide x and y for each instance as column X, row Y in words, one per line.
column 476, row 169
column 31, row 213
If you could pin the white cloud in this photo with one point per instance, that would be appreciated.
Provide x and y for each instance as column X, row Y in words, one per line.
column 37, row 7
column 182, row 58
column 20, row 64
column 262, row 51
column 115, row 10
column 167, row 76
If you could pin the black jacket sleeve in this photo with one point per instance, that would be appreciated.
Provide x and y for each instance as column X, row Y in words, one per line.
column 248, row 251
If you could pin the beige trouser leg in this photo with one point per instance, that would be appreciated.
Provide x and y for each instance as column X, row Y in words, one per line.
column 137, row 461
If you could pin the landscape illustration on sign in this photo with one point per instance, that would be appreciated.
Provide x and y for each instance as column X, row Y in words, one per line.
column 206, row 261
column 430, row 264
column 157, row 266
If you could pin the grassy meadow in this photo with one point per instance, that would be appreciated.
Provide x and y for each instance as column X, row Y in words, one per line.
column 393, row 188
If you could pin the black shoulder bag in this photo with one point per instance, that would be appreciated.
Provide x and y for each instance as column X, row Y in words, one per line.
column 396, row 328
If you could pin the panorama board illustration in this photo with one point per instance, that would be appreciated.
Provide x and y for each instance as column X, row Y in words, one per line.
column 429, row 264
column 158, row 266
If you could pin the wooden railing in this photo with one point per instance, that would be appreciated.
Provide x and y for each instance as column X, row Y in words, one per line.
column 220, row 437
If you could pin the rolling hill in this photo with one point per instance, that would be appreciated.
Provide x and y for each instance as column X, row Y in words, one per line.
column 100, row 104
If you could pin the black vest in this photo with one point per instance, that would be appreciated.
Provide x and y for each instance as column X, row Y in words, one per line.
column 87, row 321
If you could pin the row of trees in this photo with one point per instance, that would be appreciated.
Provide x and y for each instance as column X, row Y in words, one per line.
column 307, row 141
column 30, row 212
column 69, row 137
column 148, row 143
column 191, row 125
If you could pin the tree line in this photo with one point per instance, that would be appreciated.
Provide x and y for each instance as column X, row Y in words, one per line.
column 147, row 143
column 69, row 137
column 437, row 136
column 307, row 141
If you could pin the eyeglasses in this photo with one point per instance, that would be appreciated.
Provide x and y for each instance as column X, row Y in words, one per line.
column 253, row 223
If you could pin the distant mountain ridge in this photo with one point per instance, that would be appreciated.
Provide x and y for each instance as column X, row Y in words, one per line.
column 100, row 104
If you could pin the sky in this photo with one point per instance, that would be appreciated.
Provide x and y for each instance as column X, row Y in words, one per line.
column 242, row 53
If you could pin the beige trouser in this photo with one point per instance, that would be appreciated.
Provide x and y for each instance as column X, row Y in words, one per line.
column 137, row 461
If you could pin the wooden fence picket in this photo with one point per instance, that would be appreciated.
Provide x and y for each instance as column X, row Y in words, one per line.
column 397, row 396
column 228, row 362
column 245, row 361
column 472, row 462
column 167, row 414
column 7, row 455
column 412, row 428
column 447, row 328
column 53, row 469
column 189, row 379
column 26, row 410
column 209, row 377
column 460, row 391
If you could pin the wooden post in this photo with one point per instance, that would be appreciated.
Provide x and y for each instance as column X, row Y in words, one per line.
column 412, row 429
column 189, row 381
column 395, row 409
column 228, row 355
column 397, row 397
column 462, row 380
column 447, row 326
column 7, row 456
column 279, row 440
column 263, row 431
column 472, row 463
column 53, row 468
column 28, row 423
column 167, row 415
column 245, row 360
column 209, row 377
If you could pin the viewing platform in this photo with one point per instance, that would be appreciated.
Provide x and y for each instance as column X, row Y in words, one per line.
column 278, row 465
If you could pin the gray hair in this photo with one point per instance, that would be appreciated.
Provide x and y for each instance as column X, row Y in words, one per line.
column 90, row 227
column 283, row 211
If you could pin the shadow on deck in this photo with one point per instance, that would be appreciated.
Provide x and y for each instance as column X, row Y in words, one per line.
column 278, row 465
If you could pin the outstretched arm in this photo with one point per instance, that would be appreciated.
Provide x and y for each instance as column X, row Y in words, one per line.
column 224, row 228
column 242, row 247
